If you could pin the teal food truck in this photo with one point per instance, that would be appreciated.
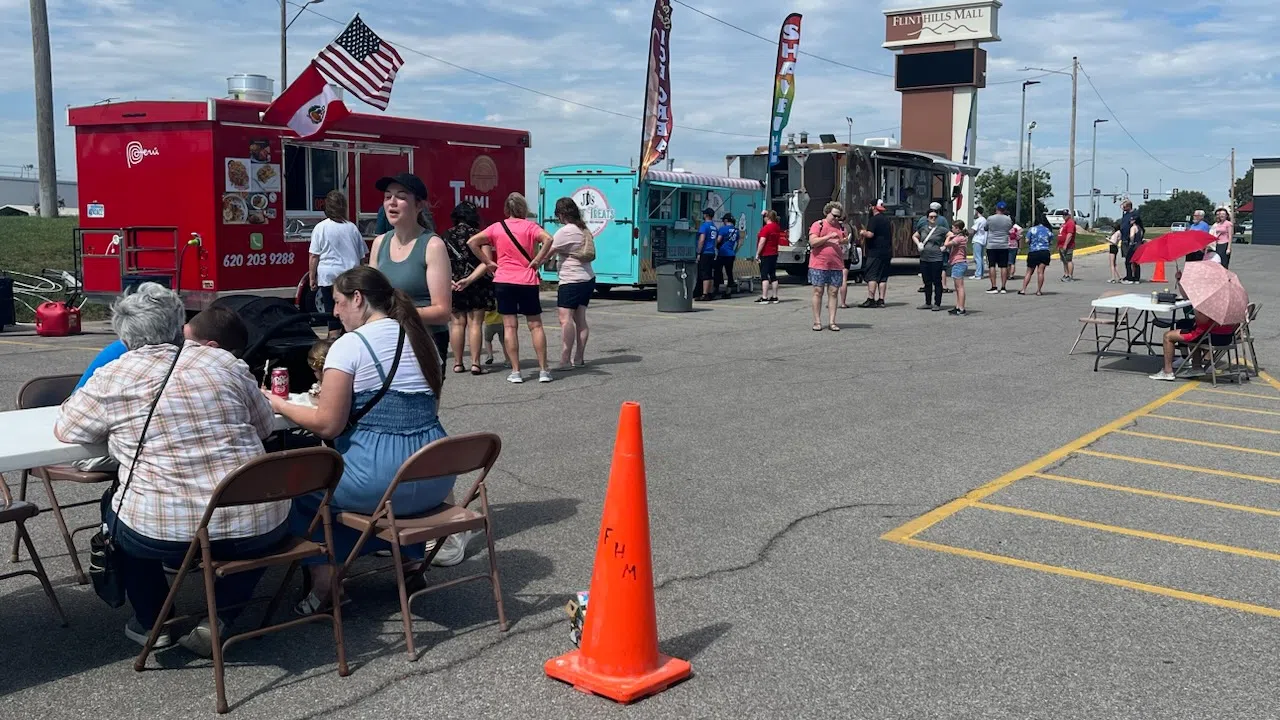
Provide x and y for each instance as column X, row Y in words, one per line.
column 640, row 225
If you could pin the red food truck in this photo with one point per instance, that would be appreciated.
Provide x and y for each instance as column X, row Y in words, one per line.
column 237, row 199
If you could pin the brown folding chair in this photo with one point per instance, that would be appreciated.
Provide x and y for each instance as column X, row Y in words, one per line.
column 1116, row 318
column 18, row 513
column 46, row 392
column 456, row 455
column 267, row 478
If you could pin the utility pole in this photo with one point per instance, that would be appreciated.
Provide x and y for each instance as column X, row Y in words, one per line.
column 1022, row 126
column 44, row 109
column 1071, row 183
column 284, row 46
column 1094, row 200
column 1231, row 189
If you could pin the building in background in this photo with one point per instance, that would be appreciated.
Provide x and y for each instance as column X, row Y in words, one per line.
column 1266, row 201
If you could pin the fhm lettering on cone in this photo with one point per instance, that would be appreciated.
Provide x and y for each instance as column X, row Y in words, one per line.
column 618, row 657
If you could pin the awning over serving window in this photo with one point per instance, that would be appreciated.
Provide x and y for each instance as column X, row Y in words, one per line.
column 917, row 158
column 666, row 177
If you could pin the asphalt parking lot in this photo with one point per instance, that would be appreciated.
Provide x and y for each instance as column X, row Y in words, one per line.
column 918, row 516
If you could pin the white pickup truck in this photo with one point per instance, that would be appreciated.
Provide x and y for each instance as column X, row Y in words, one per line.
column 1059, row 216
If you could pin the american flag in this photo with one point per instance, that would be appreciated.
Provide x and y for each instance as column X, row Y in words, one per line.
column 361, row 62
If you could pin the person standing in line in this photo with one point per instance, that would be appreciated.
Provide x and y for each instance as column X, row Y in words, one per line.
column 515, row 241
column 727, row 240
column 707, row 234
column 955, row 246
column 1015, row 242
column 413, row 257
column 1127, row 215
column 1067, row 249
column 1197, row 223
column 1039, row 238
column 1137, row 233
column 999, row 227
column 577, row 282
column 877, row 240
column 979, row 243
column 1113, row 250
column 1222, row 230
column 472, row 286
column 827, row 240
column 767, row 242
column 336, row 247
column 929, row 241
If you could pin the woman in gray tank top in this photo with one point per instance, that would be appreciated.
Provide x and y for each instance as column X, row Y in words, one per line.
column 413, row 257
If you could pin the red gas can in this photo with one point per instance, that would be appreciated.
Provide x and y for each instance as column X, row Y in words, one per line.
column 57, row 319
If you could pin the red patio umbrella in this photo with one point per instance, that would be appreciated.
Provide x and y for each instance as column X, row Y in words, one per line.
column 1173, row 246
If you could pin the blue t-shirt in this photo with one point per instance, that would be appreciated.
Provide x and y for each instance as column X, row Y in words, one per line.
column 709, row 229
column 1039, row 238
column 1202, row 225
column 105, row 355
column 727, row 241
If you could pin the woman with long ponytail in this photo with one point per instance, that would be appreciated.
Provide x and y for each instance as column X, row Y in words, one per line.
column 577, row 281
column 383, row 326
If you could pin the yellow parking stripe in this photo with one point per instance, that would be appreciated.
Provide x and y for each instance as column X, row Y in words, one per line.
column 1158, row 494
column 1179, row 466
column 1201, row 443
column 1240, row 394
column 1095, row 577
column 940, row 513
column 1210, row 423
column 1130, row 532
column 50, row 346
column 1215, row 406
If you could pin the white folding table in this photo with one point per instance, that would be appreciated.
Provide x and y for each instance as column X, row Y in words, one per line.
column 1139, row 311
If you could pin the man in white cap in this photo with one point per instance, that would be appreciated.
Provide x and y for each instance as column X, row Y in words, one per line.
column 877, row 240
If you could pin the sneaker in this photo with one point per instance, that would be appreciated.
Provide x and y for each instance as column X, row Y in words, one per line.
column 1003, row 291
column 514, row 377
column 925, row 307
column 454, row 550
column 879, row 303
column 200, row 639
column 774, row 301
column 953, row 311
column 868, row 303
column 937, row 308
column 544, row 376
column 993, row 291
column 1162, row 375
column 135, row 632
column 961, row 311
column 920, row 290
column 761, row 301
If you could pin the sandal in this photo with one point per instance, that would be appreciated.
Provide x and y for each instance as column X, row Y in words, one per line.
column 458, row 368
column 817, row 327
column 475, row 369
column 833, row 327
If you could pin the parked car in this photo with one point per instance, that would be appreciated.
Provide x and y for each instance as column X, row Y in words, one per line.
column 1059, row 216
column 1178, row 227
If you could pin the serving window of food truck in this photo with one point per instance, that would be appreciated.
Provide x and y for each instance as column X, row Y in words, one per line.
column 312, row 169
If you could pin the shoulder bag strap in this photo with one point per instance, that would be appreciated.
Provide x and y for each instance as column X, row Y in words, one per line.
column 386, row 381
column 515, row 242
column 138, row 452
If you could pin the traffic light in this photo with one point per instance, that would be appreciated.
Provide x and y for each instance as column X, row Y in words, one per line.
column 1175, row 192
column 1146, row 193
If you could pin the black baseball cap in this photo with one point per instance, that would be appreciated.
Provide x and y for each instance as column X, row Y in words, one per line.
column 411, row 182
column 708, row 212
column 728, row 217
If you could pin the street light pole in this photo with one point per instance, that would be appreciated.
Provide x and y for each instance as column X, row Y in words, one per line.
column 1093, row 176
column 1022, row 123
column 1071, row 189
column 1126, row 184
column 1031, row 167
column 850, row 121
column 285, row 23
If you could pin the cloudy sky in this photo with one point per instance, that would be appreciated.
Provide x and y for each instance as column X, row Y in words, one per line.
column 1188, row 80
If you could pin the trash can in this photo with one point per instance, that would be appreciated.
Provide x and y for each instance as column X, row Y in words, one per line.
column 6, row 302
column 676, row 282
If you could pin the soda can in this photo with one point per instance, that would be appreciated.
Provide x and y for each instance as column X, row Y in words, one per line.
column 280, row 382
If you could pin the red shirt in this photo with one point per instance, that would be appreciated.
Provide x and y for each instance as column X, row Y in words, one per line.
column 1068, row 231
column 772, row 234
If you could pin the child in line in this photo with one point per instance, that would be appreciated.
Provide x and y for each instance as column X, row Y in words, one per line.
column 956, row 247
column 492, row 329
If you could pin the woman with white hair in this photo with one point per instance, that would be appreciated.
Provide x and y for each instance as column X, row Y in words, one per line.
column 209, row 419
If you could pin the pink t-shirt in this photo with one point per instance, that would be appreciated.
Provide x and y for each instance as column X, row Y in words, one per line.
column 567, row 239
column 826, row 257
column 513, row 267
column 958, row 253
column 1222, row 231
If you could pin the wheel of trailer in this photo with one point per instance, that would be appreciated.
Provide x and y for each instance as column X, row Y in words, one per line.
column 799, row 272
column 603, row 290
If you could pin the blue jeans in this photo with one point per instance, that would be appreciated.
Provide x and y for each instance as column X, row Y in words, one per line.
column 979, row 260
column 144, row 583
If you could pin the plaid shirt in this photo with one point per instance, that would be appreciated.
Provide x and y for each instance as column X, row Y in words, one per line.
column 211, row 419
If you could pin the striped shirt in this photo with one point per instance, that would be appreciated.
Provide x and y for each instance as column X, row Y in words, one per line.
column 211, row 419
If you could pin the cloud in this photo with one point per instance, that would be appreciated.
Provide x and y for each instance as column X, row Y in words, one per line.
column 1187, row 81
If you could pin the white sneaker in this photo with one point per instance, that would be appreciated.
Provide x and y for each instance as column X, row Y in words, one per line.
column 514, row 377
column 135, row 632
column 1162, row 375
column 454, row 550
column 544, row 376
column 200, row 639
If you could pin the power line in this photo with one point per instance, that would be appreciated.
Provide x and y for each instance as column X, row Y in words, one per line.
column 1158, row 161
column 726, row 23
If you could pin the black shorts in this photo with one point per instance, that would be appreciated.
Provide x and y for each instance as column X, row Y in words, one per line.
column 998, row 257
column 1196, row 256
column 575, row 295
column 1037, row 258
column 324, row 304
column 1115, row 250
column 876, row 269
column 517, row 299
column 769, row 267
column 706, row 267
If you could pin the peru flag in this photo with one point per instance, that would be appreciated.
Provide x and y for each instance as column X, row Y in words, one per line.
column 308, row 106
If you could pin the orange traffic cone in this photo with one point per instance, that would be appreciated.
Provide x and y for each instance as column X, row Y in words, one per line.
column 1159, row 276
column 618, row 657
